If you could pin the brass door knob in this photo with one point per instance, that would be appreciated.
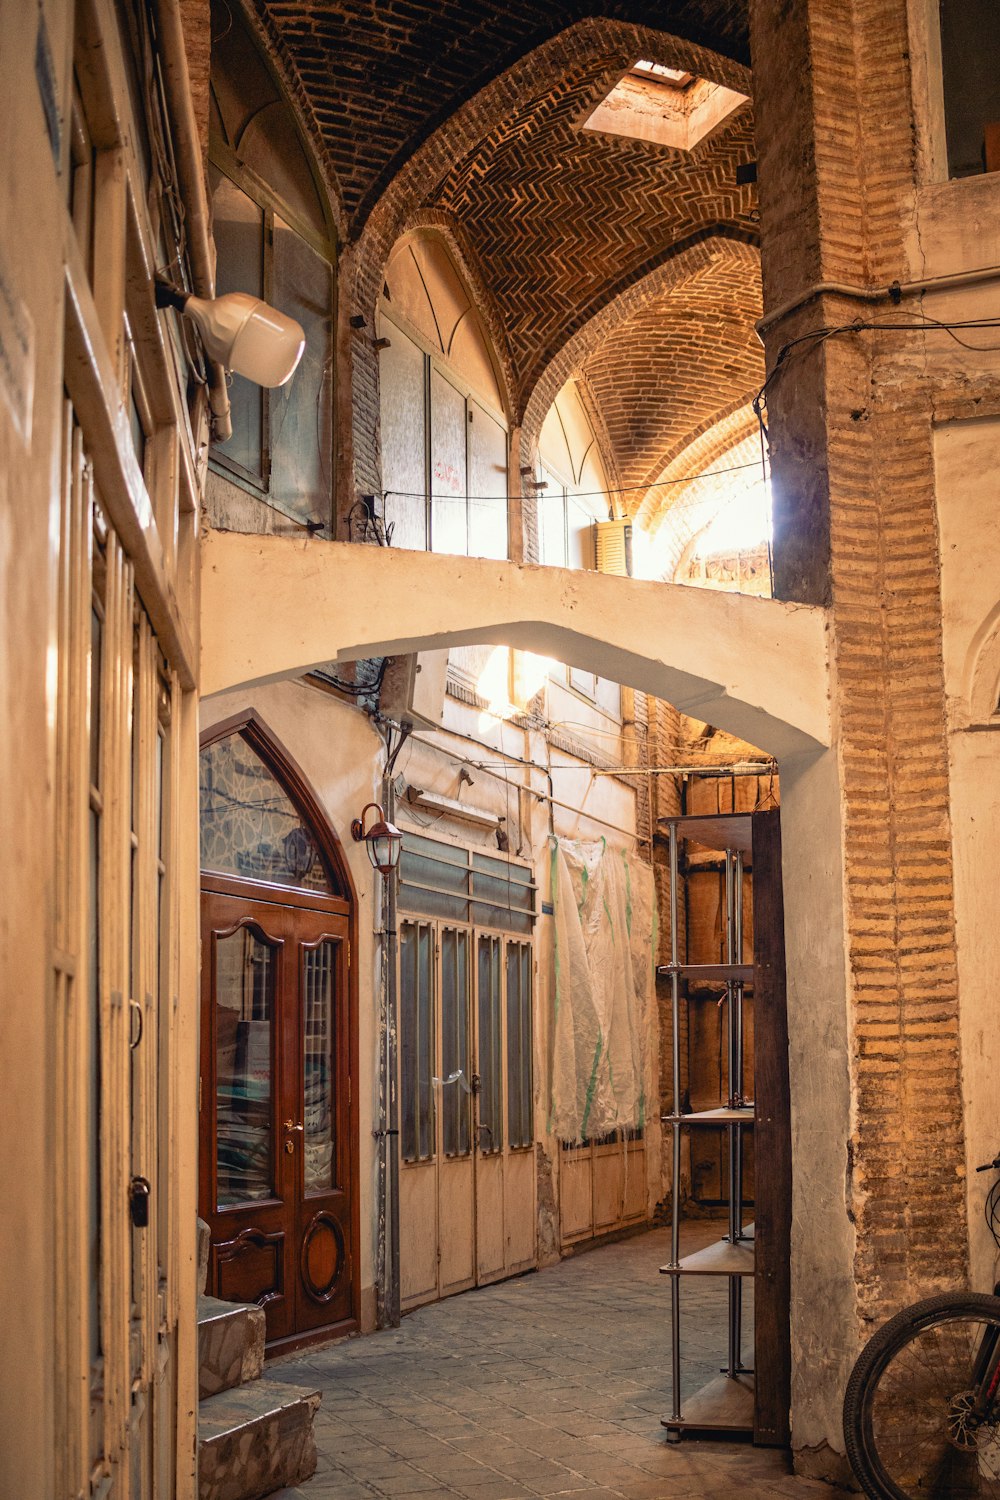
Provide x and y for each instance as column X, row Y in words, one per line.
column 291, row 1125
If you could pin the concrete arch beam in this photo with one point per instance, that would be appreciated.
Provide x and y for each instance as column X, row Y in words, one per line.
column 273, row 607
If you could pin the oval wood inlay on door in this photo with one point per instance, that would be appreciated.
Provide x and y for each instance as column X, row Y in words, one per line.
column 323, row 1257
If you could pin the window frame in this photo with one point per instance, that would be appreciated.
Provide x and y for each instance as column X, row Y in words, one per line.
column 434, row 360
column 225, row 160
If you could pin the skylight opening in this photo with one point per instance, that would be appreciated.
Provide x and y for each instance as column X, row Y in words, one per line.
column 664, row 106
column 674, row 78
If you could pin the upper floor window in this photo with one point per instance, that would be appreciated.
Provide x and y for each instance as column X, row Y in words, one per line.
column 274, row 240
column 970, row 61
column 444, row 433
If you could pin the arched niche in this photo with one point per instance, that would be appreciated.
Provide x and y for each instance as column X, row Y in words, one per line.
column 444, row 412
column 424, row 286
column 275, row 238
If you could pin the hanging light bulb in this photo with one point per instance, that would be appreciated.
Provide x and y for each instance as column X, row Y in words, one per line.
column 241, row 332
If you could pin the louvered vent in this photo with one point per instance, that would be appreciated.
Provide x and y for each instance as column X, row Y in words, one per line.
column 613, row 547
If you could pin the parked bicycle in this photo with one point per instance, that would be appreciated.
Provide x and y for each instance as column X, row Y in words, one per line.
column 922, row 1407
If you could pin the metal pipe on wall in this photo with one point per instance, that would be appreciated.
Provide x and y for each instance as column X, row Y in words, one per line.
column 187, row 152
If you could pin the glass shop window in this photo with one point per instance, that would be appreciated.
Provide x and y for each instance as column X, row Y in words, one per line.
column 970, row 60
column 444, row 436
column 274, row 239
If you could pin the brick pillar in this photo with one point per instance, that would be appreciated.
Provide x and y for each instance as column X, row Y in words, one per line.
column 855, row 528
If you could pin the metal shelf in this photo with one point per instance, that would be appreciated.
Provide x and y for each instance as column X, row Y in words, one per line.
column 721, row 1259
column 724, row 1116
column 716, row 830
column 724, row 1405
column 718, row 973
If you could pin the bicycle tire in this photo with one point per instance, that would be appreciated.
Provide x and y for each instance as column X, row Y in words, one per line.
column 905, row 1428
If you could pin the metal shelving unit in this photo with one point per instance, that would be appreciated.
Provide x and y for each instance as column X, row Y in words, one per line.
column 726, row 1404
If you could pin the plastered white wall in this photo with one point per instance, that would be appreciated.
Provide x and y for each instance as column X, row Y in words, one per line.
column 968, row 504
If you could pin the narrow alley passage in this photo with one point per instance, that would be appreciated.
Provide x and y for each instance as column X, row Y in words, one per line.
column 552, row 1384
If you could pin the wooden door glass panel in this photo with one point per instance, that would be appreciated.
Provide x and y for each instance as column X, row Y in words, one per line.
column 455, row 1097
column 416, row 1040
column 249, row 824
column 319, row 1017
column 490, row 1045
column 520, row 1125
column 246, row 966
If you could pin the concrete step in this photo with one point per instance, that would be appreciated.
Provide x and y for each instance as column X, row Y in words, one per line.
column 230, row 1345
column 255, row 1439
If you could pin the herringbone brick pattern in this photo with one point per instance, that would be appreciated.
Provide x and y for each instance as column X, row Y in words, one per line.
column 675, row 364
column 381, row 75
column 564, row 218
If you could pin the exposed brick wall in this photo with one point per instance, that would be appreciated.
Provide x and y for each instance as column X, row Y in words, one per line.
column 729, row 251
column 851, row 431
column 565, row 218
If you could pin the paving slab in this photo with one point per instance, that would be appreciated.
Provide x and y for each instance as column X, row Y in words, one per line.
column 549, row 1385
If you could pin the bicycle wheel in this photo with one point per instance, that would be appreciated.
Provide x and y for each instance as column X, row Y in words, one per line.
column 910, row 1422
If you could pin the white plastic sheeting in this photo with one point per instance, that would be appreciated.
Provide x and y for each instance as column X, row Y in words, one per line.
column 604, row 1023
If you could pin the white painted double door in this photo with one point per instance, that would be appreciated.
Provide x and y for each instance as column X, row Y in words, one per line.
column 467, row 1176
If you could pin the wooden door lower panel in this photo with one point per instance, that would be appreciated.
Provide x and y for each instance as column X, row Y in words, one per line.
column 456, row 1225
column 418, row 1233
column 491, row 1259
column 520, row 1227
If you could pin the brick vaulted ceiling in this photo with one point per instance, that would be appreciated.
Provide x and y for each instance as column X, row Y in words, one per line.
column 470, row 115
column 383, row 74
column 683, row 359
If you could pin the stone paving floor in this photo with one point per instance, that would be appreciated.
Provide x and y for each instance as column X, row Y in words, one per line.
column 549, row 1385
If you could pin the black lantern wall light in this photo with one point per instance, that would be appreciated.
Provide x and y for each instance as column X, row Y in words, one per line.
column 383, row 839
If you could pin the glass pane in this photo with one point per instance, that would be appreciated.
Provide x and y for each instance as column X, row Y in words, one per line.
column 416, row 1041
column 552, row 521
column 302, row 409
column 238, row 227
column 245, row 976
column 318, row 1065
column 249, row 825
column 487, row 484
column 490, row 1058
column 431, row 864
column 455, row 1096
column 449, row 524
column 519, row 1114
column 402, row 375
column 503, row 917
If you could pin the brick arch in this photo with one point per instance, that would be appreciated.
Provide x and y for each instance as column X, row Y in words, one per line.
column 274, row 48
column 679, row 263
column 587, row 58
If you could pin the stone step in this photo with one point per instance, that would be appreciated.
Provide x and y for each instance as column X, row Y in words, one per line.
column 230, row 1345
column 255, row 1439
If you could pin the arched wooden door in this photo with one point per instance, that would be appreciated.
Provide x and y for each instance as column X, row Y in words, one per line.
column 278, row 1161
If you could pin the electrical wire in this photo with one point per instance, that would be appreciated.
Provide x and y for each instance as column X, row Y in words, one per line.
column 627, row 489
column 918, row 323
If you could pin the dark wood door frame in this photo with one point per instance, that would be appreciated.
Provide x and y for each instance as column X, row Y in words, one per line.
column 342, row 908
column 772, row 1142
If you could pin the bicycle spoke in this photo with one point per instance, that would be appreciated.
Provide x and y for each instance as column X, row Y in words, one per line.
column 917, row 1419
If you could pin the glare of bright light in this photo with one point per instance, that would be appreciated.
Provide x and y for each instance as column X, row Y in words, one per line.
column 531, row 672
column 742, row 524
column 493, row 683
